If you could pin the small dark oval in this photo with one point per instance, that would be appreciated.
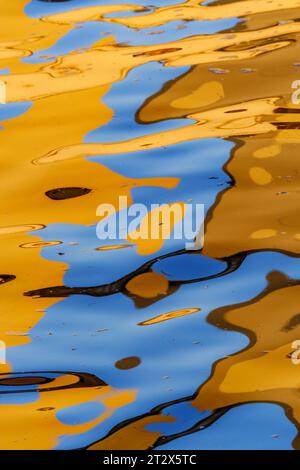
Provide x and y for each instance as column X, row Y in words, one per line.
column 128, row 363
column 59, row 194
column 23, row 381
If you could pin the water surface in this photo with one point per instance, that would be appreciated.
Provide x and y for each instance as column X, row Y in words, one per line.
column 138, row 347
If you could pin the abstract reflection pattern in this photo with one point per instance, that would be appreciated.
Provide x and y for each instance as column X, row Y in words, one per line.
column 141, row 345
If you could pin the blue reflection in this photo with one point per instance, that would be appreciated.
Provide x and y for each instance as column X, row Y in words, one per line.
column 259, row 426
column 13, row 110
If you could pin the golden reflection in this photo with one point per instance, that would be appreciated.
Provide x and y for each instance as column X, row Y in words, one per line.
column 106, row 62
column 135, row 436
column 148, row 285
column 20, row 35
column 260, row 210
column 156, row 227
column 169, row 316
column 92, row 13
column 26, row 210
column 28, row 203
column 214, row 123
column 193, row 10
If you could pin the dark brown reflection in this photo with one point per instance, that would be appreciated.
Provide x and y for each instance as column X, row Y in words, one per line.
column 19, row 381
column 6, row 278
column 60, row 194
column 158, row 51
column 43, row 378
column 232, row 262
column 134, row 429
column 128, row 363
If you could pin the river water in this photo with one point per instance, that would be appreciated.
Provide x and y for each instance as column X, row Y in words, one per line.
column 130, row 345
